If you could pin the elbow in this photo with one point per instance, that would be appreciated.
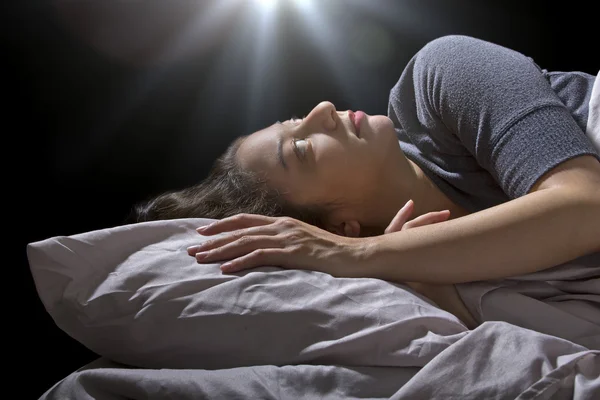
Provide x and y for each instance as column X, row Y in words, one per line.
column 587, row 206
column 582, row 222
column 596, row 219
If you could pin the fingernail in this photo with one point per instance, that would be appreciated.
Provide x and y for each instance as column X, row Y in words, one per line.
column 201, row 255
column 192, row 249
column 226, row 267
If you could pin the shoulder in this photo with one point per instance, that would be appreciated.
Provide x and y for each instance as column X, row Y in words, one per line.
column 448, row 42
column 475, row 70
column 466, row 54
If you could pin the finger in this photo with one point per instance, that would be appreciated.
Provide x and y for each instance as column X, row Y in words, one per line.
column 257, row 258
column 401, row 217
column 231, row 237
column 428, row 219
column 239, row 248
column 238, row 221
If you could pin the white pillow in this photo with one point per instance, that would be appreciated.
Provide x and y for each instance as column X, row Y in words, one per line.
column 132, row 294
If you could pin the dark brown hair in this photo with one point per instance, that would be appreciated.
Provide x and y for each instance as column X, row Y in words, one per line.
column 228, row 190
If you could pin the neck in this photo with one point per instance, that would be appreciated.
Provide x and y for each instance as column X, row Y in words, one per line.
column 415, row 185
column 428, row 197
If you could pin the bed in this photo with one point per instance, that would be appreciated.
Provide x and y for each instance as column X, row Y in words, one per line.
column 165, row 326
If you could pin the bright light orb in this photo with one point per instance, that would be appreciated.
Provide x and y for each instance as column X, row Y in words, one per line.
column 271, row 4
column 302, row 3
column 266, row 4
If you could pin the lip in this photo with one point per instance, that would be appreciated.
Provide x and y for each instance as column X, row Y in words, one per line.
column 358, row 117
column 354, row 117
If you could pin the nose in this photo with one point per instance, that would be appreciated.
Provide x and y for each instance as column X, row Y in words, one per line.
column 325, row 115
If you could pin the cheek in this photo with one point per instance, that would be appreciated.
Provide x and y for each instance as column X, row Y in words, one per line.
column 343, row 170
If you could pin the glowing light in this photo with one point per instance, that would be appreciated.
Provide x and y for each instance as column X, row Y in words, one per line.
column 266, row 4
column 302, row 3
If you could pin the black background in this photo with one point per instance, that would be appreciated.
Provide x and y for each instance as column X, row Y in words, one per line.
column 105, row 105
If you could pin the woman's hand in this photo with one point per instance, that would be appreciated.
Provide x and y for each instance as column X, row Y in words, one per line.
column 444, row 295
column 255, row 240
column 399, row 221
column 399, row 224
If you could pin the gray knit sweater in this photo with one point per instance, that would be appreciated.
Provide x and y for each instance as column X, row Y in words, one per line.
column 484, row 122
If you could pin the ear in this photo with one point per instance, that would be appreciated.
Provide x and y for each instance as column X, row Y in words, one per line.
column 349, row 228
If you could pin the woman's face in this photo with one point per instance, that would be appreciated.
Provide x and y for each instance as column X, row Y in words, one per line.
column 321, row 158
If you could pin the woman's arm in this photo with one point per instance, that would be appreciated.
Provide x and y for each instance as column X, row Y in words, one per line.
column 559, row 220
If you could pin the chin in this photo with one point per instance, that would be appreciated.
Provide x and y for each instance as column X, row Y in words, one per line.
column 381, row 121
column 382, row 125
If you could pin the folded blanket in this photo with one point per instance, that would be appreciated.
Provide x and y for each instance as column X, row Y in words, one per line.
column 563, row 301
column 496, row 360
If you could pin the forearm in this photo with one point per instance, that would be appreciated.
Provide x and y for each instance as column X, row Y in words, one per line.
column 528, row 234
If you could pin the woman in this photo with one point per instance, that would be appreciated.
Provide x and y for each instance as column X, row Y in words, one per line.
column 484, row 133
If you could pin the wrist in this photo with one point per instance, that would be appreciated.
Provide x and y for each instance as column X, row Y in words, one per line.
column 363, row 252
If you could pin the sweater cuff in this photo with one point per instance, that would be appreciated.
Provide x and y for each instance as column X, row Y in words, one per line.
column 535, row 144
